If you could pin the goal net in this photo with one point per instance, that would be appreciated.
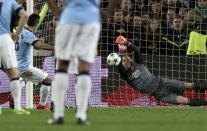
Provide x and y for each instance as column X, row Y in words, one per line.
column 160, row 28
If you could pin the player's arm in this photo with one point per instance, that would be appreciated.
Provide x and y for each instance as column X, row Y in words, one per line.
column 56, row 11
column 22, row 22
column 123, row 44
column 137, row 54
column 122, row 72
column 42, row 45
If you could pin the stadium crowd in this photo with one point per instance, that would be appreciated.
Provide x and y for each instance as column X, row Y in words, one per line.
column 161, row 26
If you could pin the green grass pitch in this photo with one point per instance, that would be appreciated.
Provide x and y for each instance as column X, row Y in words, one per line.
column 113, row 119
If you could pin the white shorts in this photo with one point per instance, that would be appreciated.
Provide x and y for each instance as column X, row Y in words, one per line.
column 77, row 40
column 33, row 74
column 7, row 52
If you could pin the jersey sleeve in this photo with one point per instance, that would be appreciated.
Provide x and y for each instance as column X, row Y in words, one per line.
column 30, row 39
column 122, row 72
column 137, row 54
column 15, row 7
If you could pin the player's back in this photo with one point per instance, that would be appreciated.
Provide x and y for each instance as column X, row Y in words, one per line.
column 23, row 48
column 80, row 12
column 7, row 8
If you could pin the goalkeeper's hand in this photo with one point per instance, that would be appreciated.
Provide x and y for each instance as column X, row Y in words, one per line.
column 122, row 43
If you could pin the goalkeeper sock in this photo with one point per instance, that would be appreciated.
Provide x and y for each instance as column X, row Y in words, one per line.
column 197, row 102
column 60, row 86
column 83, row 90
column 16, row 92
column 44, row 92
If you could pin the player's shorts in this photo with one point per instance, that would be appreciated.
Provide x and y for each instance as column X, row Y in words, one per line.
column 33, row 74
column 7, row 52
column 77, row 40
column 170, row 89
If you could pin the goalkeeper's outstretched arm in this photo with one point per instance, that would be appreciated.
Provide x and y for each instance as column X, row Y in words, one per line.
column 123, row 44
column 137, row 54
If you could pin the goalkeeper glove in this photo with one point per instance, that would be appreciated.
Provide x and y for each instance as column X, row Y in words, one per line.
column 122, row 43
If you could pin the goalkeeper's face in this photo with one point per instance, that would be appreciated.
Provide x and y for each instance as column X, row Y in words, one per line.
column 127, row 62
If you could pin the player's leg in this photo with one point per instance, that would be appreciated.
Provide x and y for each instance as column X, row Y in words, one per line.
column 196, row 85
column 60, row 85
column 83, row 90
column 9, row 63
column 180, row 86
column 39, row 76
column 172, row 92
column 87, row 45
column 66, row 38
column 191, row 102
column 16, row 89
column 15, row 86
column 44, row 93
column 178, row 99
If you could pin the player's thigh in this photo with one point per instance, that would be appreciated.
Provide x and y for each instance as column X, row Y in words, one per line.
column 35, row 75
column 73, row 68
column 66, row 39
column 173, row 85
column 7, row 52
column 86, row 47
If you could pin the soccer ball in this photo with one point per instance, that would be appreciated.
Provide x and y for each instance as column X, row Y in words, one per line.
column 113, row 59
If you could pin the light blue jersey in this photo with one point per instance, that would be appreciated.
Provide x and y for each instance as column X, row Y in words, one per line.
column 7, row 9
column 80, row 12
column 23, row 48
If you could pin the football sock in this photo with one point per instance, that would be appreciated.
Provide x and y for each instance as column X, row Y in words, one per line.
column 83, row 93
column 60, row 86
column 44, row 92
column 16, row 92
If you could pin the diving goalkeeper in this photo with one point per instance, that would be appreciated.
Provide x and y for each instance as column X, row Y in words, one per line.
column 138, row 76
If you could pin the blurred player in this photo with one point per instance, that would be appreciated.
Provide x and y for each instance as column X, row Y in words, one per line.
column 23, row 47
column 7, row 51
column 76, row 37
column 138, row 76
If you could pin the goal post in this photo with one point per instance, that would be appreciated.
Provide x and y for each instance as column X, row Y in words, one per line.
column 29, row 85
column 42, row 14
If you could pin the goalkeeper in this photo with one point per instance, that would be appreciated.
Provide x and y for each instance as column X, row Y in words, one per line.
column 138, row 76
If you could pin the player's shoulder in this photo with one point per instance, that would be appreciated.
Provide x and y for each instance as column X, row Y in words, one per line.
column 26, row 33
column 11, row 2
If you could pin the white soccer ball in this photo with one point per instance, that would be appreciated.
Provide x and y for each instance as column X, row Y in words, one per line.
column 113, row 59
